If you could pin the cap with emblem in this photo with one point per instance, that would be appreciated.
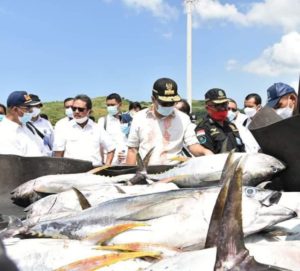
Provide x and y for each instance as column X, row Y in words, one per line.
column 216, row 95
column 35, row 100
column 19, row 98
column 276, row 91
column 165, row 89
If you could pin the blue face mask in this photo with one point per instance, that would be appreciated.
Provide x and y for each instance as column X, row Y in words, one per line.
column 25, row 118
column 125, row 128
column 231, row 115
column 112, row 110
column 165, row 110
column 1, row 117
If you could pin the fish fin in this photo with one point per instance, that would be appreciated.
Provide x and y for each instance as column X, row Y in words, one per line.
column 147, row 157
column 215, row 220
column 138, row 246
column 224, row 147
column 98, row 169
column 110, row 232
column 138, row 178
column 172, row 179
column 140, row 163
column 119, row 189
column 96, row 262
column 231, row 250
column 179, row 158
column 84, row 203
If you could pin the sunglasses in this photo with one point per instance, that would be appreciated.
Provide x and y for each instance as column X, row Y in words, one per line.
column 232, row 109
column 80, row 109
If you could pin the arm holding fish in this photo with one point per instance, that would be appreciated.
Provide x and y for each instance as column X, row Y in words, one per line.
column 191, row 141
column 203, row 137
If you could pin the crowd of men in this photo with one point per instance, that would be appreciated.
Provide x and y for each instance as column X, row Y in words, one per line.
column 165, row 128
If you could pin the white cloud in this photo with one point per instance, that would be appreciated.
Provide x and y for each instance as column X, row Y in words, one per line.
column 232, row 64
column 158, row 8
column 282, row 13
column 214, row 10
column 281, row 58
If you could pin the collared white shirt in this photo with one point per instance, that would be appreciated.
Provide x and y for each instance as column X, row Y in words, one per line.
column 113, row 128
column 61, row 124
column 83, row 143
column 19, row 140
column 167, row 135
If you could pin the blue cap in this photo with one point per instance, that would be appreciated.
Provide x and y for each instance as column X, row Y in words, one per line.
column 19, row 98
column 276, row 91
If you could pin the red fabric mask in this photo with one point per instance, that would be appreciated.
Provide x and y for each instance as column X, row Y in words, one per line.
column 218, row 115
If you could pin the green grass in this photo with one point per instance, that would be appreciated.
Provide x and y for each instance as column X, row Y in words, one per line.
column 56, row 111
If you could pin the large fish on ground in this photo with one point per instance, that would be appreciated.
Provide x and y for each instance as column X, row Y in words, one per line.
column 230, row 253
column 33, row 190
column 68, row 200
column 207, row 170
column 187, row 210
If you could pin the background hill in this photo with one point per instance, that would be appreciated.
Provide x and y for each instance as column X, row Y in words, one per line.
column 55, row 111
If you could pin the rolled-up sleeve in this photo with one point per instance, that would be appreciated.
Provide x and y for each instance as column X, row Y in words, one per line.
column 133, row 137
column 190, row 135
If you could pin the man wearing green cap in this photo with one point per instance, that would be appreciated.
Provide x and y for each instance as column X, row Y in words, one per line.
column 215, row 132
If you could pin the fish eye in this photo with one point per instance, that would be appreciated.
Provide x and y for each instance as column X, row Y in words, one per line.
column 274, row 169
column 250, row 192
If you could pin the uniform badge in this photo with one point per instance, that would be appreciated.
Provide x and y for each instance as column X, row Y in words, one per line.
column 169, row 89
column 221, row 93
column 200, row 132
column 202, row 139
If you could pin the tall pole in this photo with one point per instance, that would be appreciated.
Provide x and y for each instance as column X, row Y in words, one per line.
column 189, row 52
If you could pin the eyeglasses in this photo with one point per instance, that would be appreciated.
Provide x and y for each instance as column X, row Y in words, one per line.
column 80, row 109
column 232, row 109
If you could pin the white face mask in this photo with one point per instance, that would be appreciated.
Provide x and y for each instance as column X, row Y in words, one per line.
column 231, row 115
column 165, row 110
column 35, row 111
column 81, row 120
column 285, row 112
column 112, row 110
column 250, row 111
column 69, row 112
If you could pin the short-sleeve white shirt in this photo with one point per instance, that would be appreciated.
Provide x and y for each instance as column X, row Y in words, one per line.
column 19, row 140
column 168, row 135
column 113, row 128
column 83, row 143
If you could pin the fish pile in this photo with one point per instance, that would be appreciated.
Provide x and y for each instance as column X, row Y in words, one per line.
column 207, row 213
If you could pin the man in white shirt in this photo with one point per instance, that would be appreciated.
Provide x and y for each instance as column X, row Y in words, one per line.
column 82, row 138
column 15, row 137
column 42, row 126
column 60, row 124
column 163, row 127
column 251, row 145
column 117, row 126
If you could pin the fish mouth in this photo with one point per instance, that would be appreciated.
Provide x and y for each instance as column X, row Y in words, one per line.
column 271, row 199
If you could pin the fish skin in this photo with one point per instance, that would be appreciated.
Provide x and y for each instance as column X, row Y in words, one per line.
column 207, row 170
column 192, row 207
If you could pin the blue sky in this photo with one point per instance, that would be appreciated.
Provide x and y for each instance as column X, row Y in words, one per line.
column 60, row 48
